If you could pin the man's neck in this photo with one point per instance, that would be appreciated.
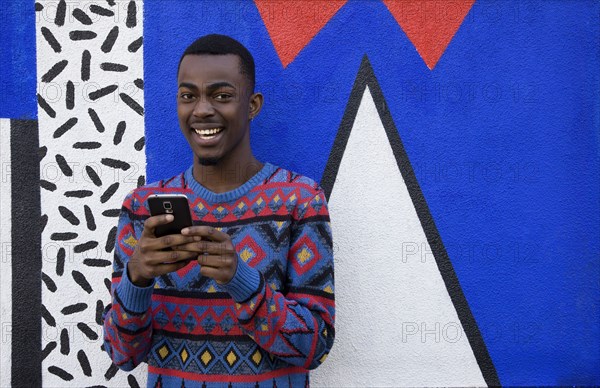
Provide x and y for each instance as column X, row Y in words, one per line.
column 226, row 175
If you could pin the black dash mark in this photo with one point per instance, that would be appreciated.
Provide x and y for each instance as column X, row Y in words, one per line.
column 50, row 285
column 110, row 373
column 135, row 45
column 110, row 40
column 89, row 218
column 102, row 92
column 107, row 284
column 111, row 213
column 61, row 12
column 50, row 346
column 60, row 261
column 42, row 152
column 138, row 145
column 38, row 7
column 68, row 215
column 82, row 281
column 74, row 308
column 87, row 331
column 99, row 312
column 114, row 163
column 82, row 35
column 87, row 145
column 55, row 70
column 63, row 374
column 70, row 99
column 44, row 184
column 93, row 175
column 86, row 59
column 85, row 246
column 84, row 363
column 141, row 181
column 131, row 15
column 70, row 123
column 48, row 317
column 119, row 132
column 132, row 381
column 96, row 120
column 111, row 2
column 109, row 66
column 109, row 192
column 366, row 78
column 78, row 193
column 63, row 165
column 110, row 240
column 45, row 106
column 101, row 11
column 43, row 222
column 65, row 236
column 137, row 108
column 51, row 39
column 139, row 83
column 96, row 262
column 64, row 342
column 82, row 17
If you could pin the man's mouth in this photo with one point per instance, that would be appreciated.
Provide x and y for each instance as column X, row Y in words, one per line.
column 208, row 133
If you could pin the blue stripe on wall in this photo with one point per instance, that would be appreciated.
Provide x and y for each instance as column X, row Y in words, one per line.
column 18, row 69
column 502, row 135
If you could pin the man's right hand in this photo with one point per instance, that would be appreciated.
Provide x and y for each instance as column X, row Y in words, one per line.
column 150, row 260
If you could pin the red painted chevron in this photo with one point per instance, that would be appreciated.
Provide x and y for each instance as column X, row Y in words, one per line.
column 429, row 24
column 293, row 23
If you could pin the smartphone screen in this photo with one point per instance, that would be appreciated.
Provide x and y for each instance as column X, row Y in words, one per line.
column 175, row 204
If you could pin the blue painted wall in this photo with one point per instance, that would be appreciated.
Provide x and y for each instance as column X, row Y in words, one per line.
column 18, row 69
column 502, row 134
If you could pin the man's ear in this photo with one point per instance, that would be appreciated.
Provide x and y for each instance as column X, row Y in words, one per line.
column 256, row 103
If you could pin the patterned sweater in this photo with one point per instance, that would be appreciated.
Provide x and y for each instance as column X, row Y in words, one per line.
column 265, row 328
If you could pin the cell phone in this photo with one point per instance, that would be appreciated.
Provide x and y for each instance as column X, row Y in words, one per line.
column 175, row 204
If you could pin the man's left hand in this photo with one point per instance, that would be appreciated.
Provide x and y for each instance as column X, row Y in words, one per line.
column 217, row 256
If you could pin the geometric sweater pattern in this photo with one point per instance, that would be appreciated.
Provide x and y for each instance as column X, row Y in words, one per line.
column 268, row 326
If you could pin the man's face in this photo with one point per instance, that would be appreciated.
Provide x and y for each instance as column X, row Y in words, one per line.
column 213, row 105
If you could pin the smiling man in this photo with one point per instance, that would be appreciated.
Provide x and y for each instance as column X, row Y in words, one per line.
column 245, row 296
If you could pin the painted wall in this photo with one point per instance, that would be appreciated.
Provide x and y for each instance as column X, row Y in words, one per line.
column 457, row 143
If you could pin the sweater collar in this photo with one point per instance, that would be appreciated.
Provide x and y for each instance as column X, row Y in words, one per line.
column 227, row 196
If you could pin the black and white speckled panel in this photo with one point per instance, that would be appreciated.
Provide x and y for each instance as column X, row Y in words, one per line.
column 91, row 124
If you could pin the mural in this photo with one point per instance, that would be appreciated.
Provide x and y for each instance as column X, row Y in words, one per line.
column 457, row 143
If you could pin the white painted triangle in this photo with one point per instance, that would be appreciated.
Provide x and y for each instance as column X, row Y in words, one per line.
column 395, row 322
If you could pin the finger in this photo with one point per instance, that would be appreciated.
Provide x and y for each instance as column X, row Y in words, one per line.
column 211, row 272
column 172, row 267
column 205, row 246
column 152, row 222
column 169, row 241
column 206, row 231
column 215, row 261
column 174, row 256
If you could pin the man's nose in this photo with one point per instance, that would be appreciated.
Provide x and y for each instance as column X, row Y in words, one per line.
column 203, row 108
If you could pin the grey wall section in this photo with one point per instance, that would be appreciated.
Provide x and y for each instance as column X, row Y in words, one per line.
column 26, row 255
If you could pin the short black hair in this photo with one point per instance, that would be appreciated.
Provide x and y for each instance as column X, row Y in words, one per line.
column 216, row 44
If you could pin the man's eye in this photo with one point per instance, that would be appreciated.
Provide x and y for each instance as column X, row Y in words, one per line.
column 186, row 96
column 222, row 96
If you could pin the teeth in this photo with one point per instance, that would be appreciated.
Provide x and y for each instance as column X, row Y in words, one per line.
column 207, row 132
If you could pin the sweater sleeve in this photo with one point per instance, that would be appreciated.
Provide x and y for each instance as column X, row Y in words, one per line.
column 128, row 319
column 298, row 325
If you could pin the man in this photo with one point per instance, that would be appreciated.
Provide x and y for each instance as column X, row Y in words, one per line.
column 255, row 305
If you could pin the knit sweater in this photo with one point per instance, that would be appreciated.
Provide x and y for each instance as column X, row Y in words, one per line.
column 265, row 328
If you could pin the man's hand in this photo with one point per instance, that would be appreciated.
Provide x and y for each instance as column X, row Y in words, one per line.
column 218, row 258
column 150, row 260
